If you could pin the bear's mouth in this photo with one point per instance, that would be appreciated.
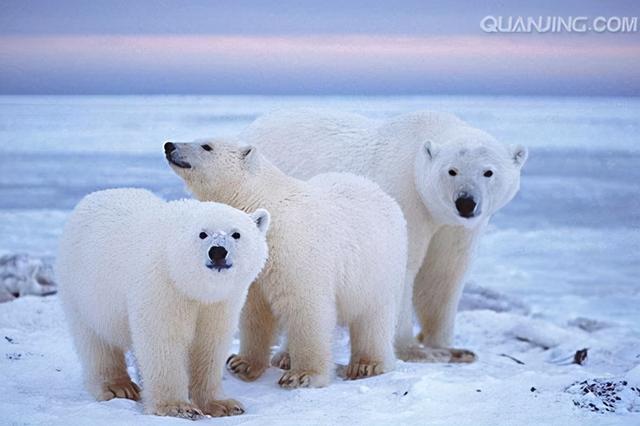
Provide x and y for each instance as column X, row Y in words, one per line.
column 177, row 162
column 219, row 266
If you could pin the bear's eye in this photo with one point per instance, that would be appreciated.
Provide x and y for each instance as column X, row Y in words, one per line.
column 235, row 235
column 206, row 147
column 452, row 172
column 488, row 173
column 203, row 235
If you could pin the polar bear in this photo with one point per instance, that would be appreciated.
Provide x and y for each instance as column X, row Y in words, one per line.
column 166, row 280
column 448, row 177
column 338, row 250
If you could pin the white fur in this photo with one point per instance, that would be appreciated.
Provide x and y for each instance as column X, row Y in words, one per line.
column 337, row 254
column 409, row 157
column 133, row 273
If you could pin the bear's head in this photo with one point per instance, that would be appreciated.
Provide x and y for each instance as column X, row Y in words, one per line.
column 213, row 251
column 465, row 176
column 214, row 169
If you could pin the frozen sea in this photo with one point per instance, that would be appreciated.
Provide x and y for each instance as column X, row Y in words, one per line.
column 567, row 249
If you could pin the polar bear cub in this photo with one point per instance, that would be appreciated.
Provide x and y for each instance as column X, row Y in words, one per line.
column 338, row 251
column 166, row 279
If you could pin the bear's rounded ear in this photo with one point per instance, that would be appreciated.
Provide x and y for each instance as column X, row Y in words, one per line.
column 261, row 218
column 429, row 149
column 519, row 154
column 247, row 151
column 249, row 155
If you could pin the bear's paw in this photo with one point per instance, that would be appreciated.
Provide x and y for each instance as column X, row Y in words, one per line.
column 182, row 410
column 419, row 353
column 223, row 408
column 363, row 368
column 295, row 379
column 123, row 388
column 243, row 368
column 281, row 360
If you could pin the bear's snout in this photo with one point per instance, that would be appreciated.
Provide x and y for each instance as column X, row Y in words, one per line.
column 466, row 205
column 169, row 147
column 218, row 258
column 218, row 254
column 173, row 156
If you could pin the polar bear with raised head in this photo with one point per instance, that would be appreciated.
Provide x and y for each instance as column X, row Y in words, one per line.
column 448, row 177
column 166, row 280
column 338, row 250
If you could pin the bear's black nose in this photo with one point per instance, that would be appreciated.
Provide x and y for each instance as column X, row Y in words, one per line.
column 466, row 205
column 169, row 147
column 217, row 254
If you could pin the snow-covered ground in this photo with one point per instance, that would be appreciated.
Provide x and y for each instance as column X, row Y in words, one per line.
column 558, row 270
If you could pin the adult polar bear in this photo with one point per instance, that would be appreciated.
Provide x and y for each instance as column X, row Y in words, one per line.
column 448, row 177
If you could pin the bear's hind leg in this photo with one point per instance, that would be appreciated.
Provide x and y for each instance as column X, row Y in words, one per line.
column 257, row 332
column 371, row 345
column 310, row 326
column 104, row 366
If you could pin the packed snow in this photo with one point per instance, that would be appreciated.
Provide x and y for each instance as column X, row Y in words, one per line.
column 551, row 304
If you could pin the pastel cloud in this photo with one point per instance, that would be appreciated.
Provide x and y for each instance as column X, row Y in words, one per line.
column 318, row 64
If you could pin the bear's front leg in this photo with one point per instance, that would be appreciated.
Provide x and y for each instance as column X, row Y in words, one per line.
column 310, row 325
column 214, row 332
column 162, row 330
column 437, row 291
column 257, row 333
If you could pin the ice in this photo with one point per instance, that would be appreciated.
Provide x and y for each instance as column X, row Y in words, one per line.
column 476, row 297
column 634, row 376
column 556, row 272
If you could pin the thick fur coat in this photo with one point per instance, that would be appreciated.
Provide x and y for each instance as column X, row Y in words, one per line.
column 136, row 272
column 448, row 177
column 338, row 252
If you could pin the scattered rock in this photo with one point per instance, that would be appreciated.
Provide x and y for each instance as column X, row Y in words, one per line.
column 580, row 356
column 605, row 395
column 21, row 275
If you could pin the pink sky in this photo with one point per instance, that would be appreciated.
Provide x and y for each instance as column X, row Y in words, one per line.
column 239, row 63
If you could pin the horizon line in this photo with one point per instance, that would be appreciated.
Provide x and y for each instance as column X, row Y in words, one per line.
column 311, row 94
